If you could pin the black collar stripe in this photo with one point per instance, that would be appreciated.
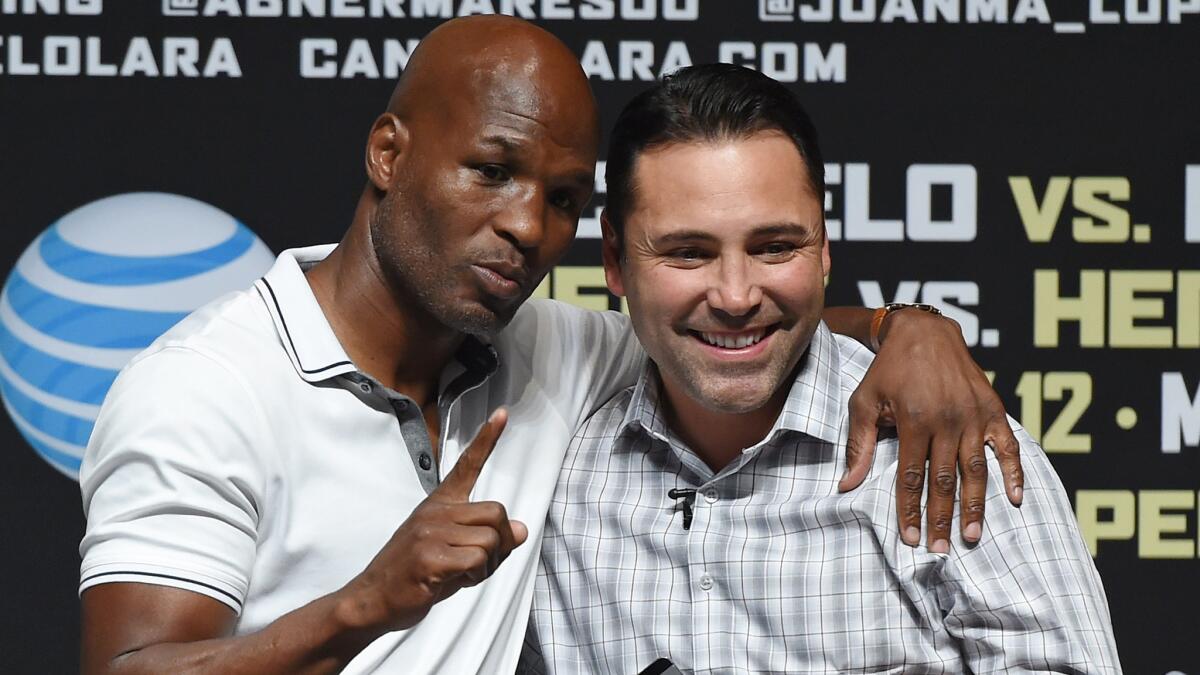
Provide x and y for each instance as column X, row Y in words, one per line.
column 291, row 343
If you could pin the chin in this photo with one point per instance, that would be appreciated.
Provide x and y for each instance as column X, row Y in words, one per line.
column 732, row 399
column 482, row 323
column 475, row 318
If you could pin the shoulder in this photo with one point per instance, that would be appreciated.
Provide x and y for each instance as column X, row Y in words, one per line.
column 566, row 320
column 596, row 435
column 234, row 330
column 230, row 341
column 607, row 419
column 194, row 388
column 582, row 357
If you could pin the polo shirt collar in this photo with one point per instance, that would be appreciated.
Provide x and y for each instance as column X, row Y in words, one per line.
column 813, row 406
column 306, row 334
column 308, row 338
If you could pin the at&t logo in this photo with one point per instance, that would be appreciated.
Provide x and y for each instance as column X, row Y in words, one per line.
column 96, row 288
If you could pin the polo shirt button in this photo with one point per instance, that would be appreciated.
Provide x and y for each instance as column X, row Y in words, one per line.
column 706, row 582
column 400, row 404
column 710, row 495
column 425, row 461
column 365, row 387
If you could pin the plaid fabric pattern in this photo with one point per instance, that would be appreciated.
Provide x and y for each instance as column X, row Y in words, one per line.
column 779, row 573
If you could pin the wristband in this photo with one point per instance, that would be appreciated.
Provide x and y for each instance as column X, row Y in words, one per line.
column 882, row 313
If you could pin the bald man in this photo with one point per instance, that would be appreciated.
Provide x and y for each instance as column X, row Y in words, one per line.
column 291, row 480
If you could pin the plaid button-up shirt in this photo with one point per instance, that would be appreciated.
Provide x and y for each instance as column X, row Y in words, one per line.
column 780, row 573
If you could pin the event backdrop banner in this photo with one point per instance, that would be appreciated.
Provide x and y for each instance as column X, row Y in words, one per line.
column 1032, row 167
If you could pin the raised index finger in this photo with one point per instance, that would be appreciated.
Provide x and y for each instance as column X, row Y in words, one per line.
column 461, row 480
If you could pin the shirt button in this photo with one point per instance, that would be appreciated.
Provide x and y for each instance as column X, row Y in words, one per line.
column 710, row 495
column 706, row 582
column 365, row 387
column 400, row 404
column 425, row 461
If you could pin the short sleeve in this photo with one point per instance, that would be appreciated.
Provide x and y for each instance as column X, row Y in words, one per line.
column 171, row 481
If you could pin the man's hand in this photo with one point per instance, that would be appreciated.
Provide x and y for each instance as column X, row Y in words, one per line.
column 925, row 383
column 448, row 543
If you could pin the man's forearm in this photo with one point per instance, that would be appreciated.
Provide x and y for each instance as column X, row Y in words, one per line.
column 320, row 637
column 854, row 322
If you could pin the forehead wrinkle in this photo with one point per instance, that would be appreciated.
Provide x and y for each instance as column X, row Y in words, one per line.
column 528, row 118
column 514, row 124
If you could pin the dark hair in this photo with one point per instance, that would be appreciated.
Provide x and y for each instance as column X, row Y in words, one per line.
column 712, row 102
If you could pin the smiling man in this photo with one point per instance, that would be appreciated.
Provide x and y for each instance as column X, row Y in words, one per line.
column 290, row 479
column 698, row 516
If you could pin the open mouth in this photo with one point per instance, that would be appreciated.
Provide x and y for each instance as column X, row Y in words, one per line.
column 734, row 340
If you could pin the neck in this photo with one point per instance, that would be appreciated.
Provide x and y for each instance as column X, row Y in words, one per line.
column 718, row 437
column 385, row 334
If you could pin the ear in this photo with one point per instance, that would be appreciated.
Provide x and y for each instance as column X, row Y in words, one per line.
column 826, row 263
column 610, row 251
column 387, row 143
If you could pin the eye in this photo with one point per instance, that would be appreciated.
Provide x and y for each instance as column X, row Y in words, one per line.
column 778, row 249
column 563, row 200
column 493, row 172
column 687, row 254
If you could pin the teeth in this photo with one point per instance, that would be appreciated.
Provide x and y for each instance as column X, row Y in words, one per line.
column 733, row 341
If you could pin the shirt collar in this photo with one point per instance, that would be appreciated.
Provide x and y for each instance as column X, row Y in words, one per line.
column 303, row 329
column 813, row 406
column 644, row 409
column 308, row 338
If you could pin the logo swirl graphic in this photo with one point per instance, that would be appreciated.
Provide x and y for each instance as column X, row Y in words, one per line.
column 94, row 289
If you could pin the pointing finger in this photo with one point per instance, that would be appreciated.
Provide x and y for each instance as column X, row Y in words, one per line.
column 461, row 480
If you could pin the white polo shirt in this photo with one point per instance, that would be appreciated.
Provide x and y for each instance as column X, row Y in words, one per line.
column 244, row 457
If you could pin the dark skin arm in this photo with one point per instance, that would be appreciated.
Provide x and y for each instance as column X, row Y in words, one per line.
column 925, row 383
column 448, row 543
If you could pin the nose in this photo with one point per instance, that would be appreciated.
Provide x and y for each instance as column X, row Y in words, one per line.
column 733, row 289
column 523, row 221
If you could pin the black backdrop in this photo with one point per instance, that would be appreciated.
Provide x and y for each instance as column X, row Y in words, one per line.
column 969, row 130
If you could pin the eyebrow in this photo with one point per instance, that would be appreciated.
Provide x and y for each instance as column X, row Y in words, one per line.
column 764, row 230
column 684, row 236
column 585, row 180
column 784, row 228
